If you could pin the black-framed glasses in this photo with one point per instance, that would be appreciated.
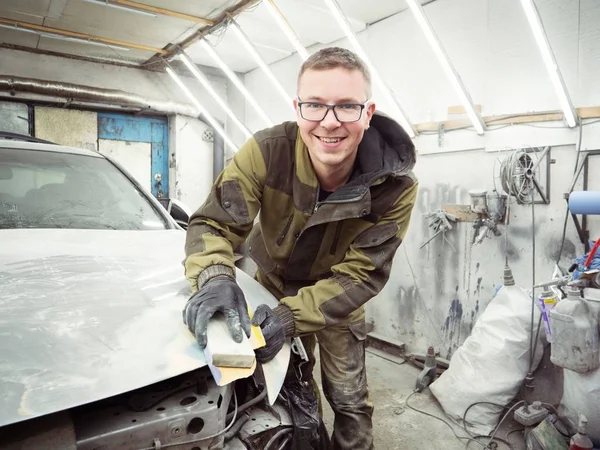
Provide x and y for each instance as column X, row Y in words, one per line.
column 344, row 112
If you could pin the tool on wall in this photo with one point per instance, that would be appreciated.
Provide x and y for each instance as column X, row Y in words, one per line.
column 490, row 210
column 520, row 175
column 440, row 222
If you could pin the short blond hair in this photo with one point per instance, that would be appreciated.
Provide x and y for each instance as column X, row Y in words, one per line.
column 334, row 57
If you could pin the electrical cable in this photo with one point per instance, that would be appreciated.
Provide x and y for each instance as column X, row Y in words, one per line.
column 464, row 417
column 576, row 173
column 237, row 426
column 420, row 297
column 471, row 437
column 285, row 442
column 537, row 336
column 435, row 417
column 487, row 446
column 503, row 419
column 275, row 437
column 249, row 403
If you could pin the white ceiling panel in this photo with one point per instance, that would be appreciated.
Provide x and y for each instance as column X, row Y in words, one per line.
column 32, row 11
column 21, row 38
column 362, row 10
column 208, row 9
column 311, row 20
column 129, row 26
column 92, row 50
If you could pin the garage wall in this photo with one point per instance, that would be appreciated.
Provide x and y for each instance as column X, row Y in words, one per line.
column 192, row 162
column 192, row 179
column 435, row 294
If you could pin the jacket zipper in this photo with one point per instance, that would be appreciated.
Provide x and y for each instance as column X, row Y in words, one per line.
column 285, row 230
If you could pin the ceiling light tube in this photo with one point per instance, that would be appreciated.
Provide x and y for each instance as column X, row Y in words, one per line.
column 286, row 28
column 342, row 21
column 122, row 7
column 235, row 80
column 268, row 72
column 211, row 120
column 206, row 84
column 447, row 66
column 542, row 42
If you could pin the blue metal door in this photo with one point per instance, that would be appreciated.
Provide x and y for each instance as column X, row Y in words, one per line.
column 152, row 130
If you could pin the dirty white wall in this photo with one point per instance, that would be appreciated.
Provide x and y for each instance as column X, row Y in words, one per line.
column 192, row 162
column 435, row 294
column 187, row 144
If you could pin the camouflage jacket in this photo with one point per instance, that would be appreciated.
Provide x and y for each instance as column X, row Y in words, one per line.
column 322, row 259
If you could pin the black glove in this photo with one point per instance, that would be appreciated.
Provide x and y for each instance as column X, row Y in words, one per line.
column 217, row 294
column 273, row 331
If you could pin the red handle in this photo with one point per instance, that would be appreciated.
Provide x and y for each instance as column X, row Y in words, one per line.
column 588, row 261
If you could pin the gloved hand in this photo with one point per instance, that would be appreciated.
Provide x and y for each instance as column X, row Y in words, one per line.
column 273, row 330
column 222, row 294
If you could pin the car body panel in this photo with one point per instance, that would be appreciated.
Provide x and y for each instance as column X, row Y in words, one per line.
column 89, row 314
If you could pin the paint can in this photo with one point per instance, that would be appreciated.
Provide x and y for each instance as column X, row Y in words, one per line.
column 478, row 200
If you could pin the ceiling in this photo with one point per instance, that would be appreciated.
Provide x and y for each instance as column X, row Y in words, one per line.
column 94, row 29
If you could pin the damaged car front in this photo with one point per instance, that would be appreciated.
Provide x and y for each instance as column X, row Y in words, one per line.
column 93, row 351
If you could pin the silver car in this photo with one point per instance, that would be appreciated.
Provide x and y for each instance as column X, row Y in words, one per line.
column 93, row 351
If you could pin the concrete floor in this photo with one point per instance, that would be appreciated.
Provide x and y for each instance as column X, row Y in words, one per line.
column 396, row 426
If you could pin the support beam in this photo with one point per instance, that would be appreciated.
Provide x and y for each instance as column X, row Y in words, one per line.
column 41, row 29
column 590, row 112
column 239, row 8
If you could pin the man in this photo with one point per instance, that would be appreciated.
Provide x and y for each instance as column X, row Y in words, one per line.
column 334, row 194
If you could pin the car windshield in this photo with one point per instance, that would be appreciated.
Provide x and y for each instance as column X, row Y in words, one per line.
column 46, row 189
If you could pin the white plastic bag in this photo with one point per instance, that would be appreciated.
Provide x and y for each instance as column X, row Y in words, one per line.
column 492, row 363
column 581, row 395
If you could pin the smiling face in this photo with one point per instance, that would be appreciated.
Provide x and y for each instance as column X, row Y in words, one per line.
column 332, row 145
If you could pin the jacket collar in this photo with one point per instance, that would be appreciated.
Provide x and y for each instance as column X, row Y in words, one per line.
column 385, row 150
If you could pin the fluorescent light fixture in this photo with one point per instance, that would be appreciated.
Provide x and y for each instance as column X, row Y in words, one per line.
column 63, row 38
column 206, row 84
column 542, row 42
column 235, row 80
column 211, row 120
column 122, row 7
column 268, row 72
column 342, row 21
column 444, row 60
column 286, row 28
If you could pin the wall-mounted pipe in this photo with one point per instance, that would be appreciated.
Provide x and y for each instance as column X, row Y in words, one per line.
column 91, row 94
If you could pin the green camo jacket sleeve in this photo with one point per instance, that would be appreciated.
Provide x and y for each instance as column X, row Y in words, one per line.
column 225, row 219
column 359, row 276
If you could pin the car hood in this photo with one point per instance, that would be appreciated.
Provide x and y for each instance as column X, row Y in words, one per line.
column 88, row 314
